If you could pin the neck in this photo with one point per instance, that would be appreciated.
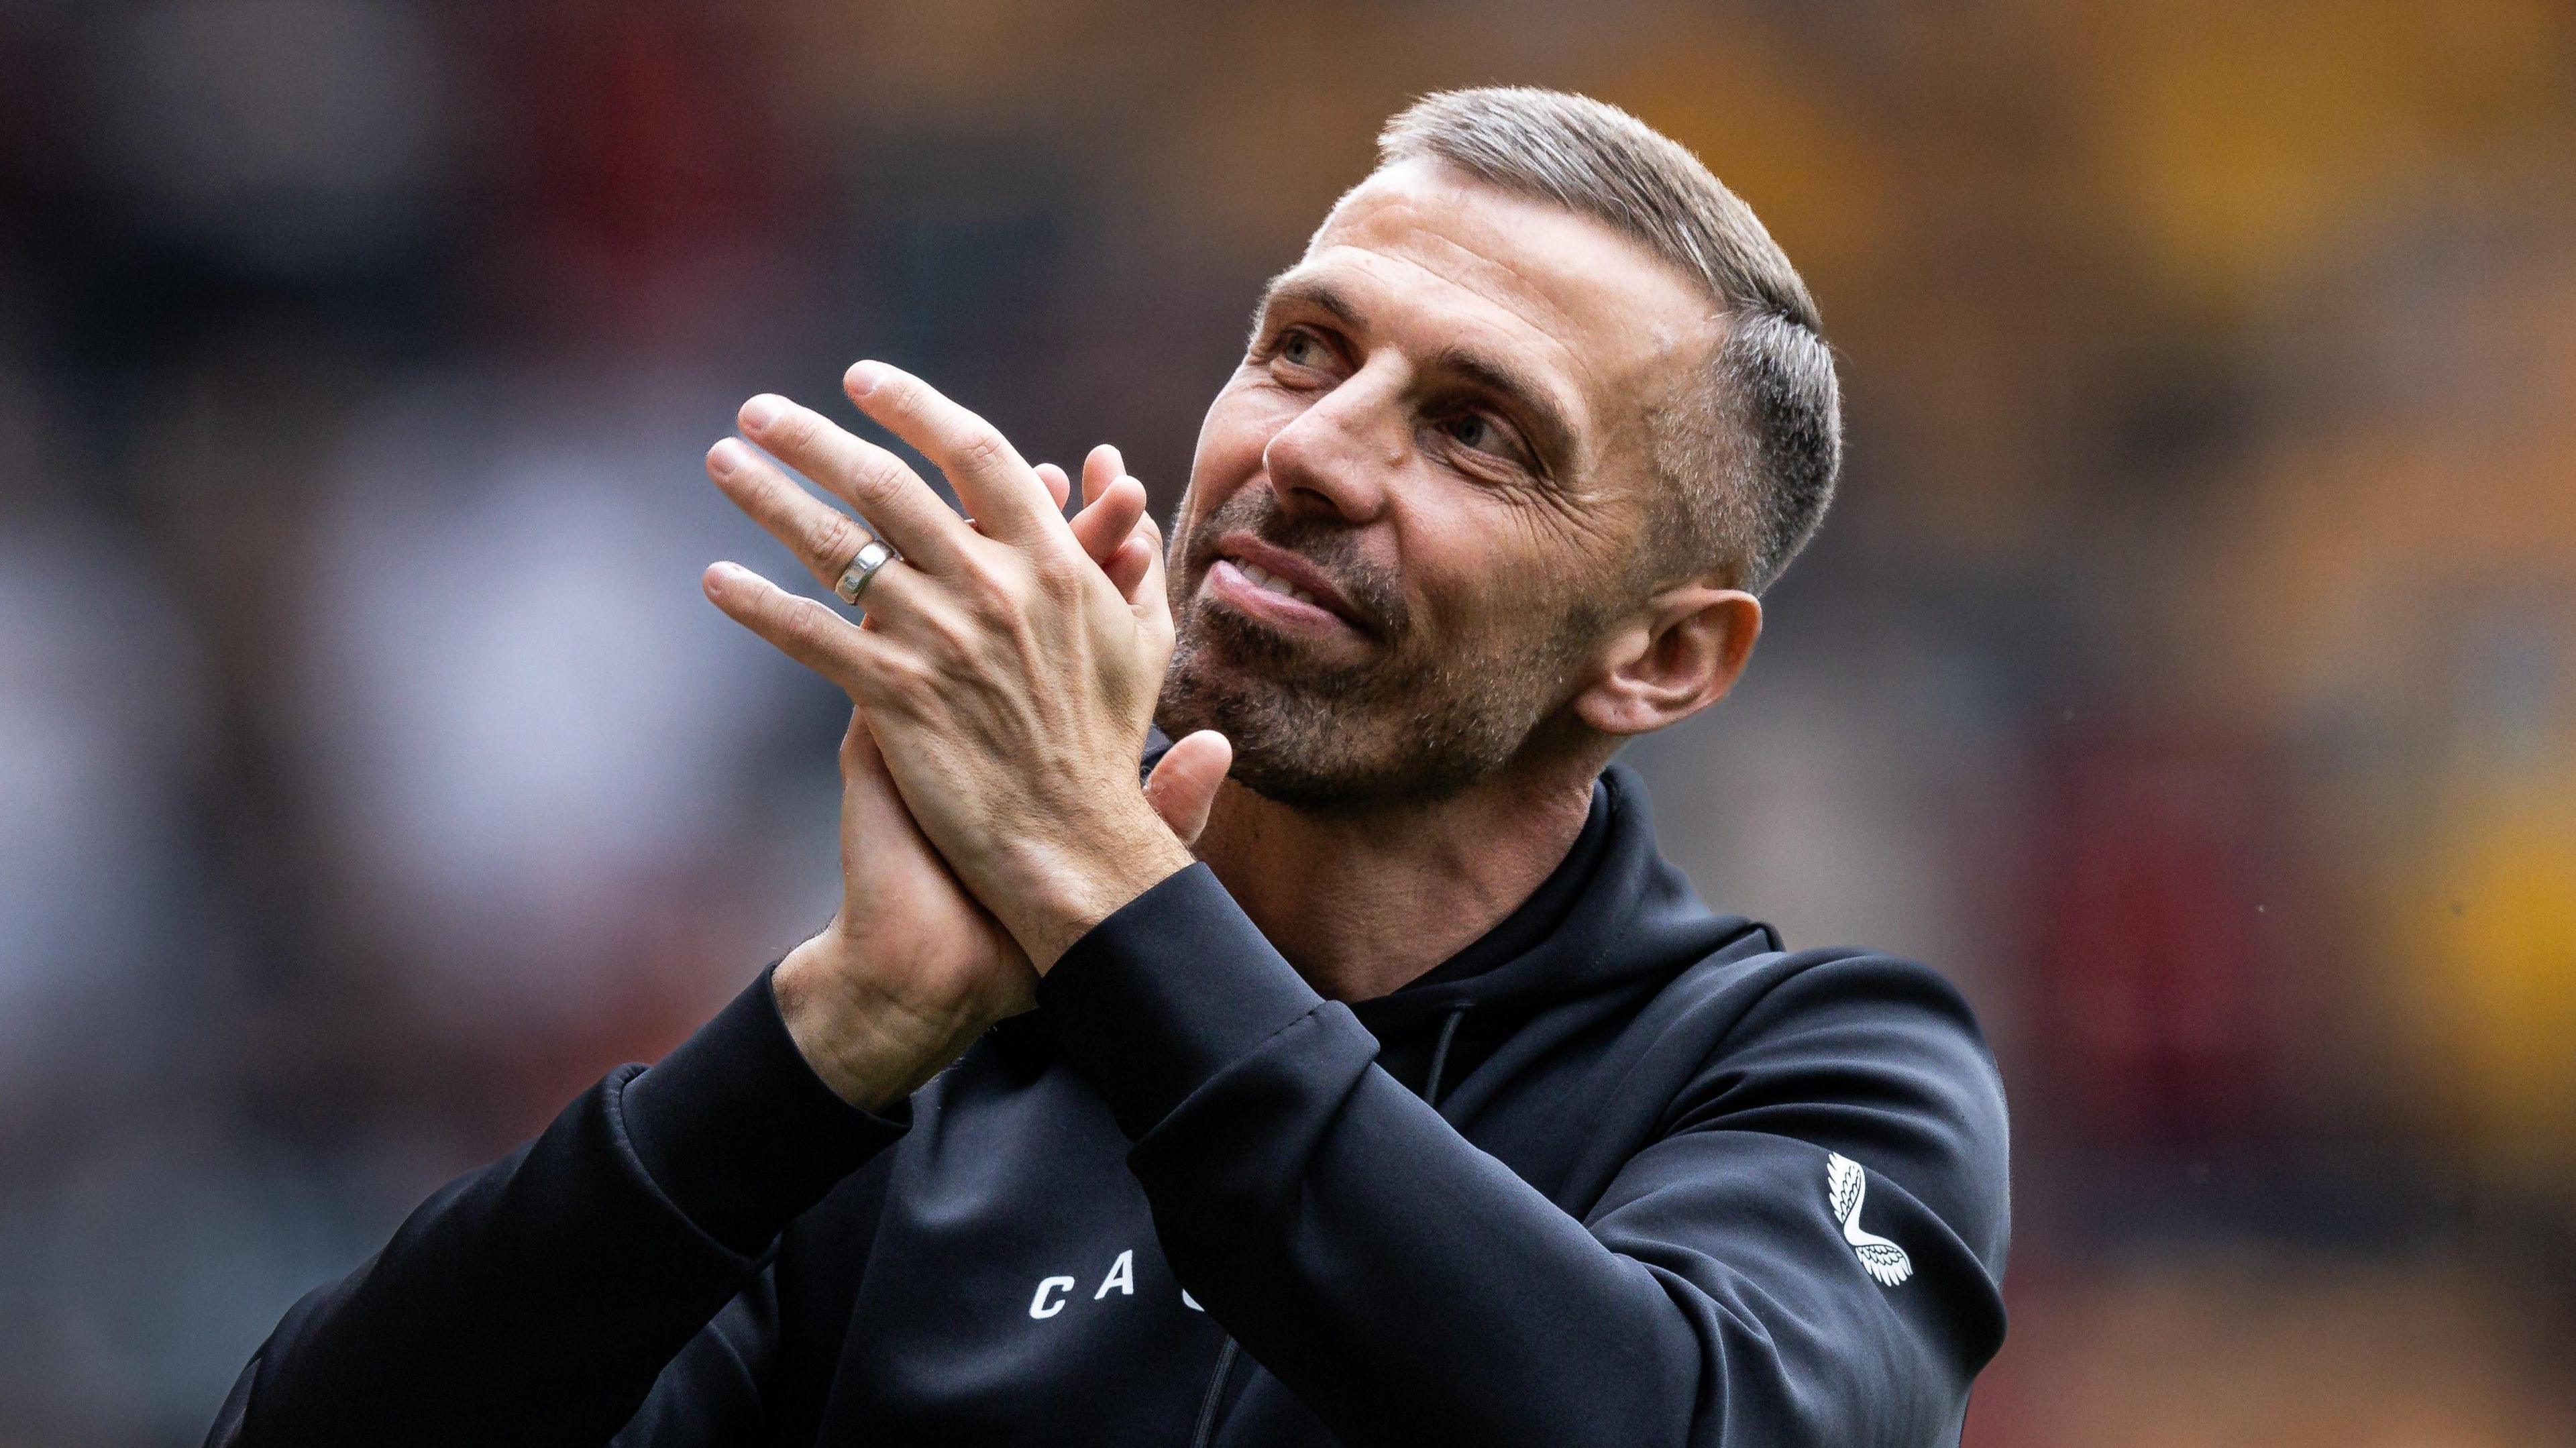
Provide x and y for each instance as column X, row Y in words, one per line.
column 1361, row 902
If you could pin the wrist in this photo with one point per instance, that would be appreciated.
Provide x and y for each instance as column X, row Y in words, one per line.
column 1066, row 887
column 864, row 1031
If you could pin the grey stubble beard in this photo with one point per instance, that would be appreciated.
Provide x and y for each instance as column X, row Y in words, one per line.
column 1406, row 726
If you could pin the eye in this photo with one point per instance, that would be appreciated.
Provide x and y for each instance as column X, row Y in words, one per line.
column 1300, row 348
column 1481, row 433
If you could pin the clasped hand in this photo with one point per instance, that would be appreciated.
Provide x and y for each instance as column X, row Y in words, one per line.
column 1002, row 680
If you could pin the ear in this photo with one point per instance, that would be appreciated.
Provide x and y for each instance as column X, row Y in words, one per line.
column 1677, row 657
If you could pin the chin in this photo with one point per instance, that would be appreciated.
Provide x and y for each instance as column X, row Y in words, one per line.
column 1337, row 737
column 1320, row 753
column 1289, row 745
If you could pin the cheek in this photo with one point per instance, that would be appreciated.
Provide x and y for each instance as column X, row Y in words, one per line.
column 1232, row 438
column 1484, row 572
column 1457, row 566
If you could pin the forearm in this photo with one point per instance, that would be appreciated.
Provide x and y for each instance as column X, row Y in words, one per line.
column 538, row 1299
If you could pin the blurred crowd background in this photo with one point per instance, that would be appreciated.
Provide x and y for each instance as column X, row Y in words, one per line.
column 2189, row 669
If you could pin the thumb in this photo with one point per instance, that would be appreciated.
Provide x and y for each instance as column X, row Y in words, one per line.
column 1183, row 785
column 872, row 813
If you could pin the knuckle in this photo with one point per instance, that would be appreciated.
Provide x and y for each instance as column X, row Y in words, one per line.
column 804, row 621
column 994, row 592
column 875, row 477
column 947, row 635
column 832, row 538
column 982, row 446
column 1055, row 574
column 904, row 674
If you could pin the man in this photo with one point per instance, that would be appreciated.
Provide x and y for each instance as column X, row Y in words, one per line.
column 1390, row 1090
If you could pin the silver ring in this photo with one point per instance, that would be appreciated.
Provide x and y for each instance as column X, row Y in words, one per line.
column 872, row 555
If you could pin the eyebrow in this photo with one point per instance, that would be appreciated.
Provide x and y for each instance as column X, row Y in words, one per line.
column 1294, row 287
column 1552, row 436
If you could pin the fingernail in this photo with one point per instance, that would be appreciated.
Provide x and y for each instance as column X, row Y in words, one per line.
column 763, row 410
column 723, row 458
column 864, row 377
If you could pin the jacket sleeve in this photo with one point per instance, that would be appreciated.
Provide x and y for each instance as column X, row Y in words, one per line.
column 538, row 1300
column 1410, row 1288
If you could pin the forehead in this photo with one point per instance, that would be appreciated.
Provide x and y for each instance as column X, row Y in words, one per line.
column 1440, row 258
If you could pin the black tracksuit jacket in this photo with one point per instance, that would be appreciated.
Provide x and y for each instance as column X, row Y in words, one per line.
column 1623, row 1172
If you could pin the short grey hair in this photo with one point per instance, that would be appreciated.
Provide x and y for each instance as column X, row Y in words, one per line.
column 1749, row 453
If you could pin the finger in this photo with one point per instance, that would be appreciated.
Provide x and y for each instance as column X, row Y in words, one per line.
column 890, row 496
column 1183, row 786
column 872, row 813
column 1058, row 486
column 804, row 630
column 1149, row 597
column 1103, row 467
column 996, row 486
column 1108, row 518
column 822, row 537
column 1129, row 565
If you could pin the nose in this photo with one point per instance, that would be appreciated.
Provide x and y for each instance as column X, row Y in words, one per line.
column 1338, row 458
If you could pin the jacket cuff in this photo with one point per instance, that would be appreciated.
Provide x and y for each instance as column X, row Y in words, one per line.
column 740, row 1133
column 1167, row 992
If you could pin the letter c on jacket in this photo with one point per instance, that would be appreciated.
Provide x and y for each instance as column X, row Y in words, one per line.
column 1040, row 1307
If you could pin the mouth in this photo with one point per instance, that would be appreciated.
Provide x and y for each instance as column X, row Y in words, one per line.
column 1278, row 587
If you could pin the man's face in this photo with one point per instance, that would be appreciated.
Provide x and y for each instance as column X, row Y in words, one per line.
column 1414, row 507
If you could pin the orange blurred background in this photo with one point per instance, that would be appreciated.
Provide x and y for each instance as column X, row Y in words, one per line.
column 2189, row 669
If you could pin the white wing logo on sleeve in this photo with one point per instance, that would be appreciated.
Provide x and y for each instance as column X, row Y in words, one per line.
column 1845, row 1185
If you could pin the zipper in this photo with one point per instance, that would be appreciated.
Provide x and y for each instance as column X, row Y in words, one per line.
column 1205, row 1433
